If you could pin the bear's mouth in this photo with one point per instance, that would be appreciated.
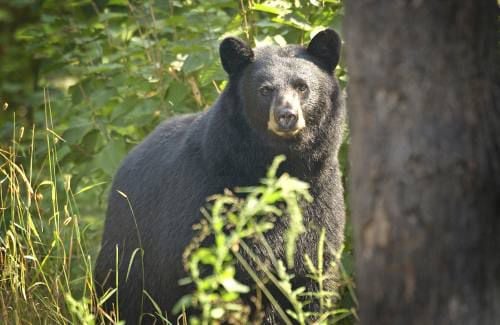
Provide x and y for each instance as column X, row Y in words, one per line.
column 287, row 134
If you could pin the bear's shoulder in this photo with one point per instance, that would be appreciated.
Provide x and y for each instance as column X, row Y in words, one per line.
column 163, row 144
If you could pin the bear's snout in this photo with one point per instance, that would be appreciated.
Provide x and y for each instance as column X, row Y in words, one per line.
column 286, row 118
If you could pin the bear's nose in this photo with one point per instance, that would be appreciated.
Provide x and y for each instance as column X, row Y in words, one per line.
column 286, row 118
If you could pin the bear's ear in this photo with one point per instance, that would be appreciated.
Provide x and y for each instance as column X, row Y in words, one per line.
column 325, row 46
column 235, row 54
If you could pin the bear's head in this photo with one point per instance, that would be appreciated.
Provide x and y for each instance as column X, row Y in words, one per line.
column 288, row 94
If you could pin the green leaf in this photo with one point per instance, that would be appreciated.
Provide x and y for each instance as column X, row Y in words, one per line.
column 75, row 133
column 110, row 157
column 232, row 285
column 269, row 9
column 176, row 93
column 195, row 62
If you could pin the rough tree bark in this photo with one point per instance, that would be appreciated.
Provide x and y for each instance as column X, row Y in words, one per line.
column 423, row 100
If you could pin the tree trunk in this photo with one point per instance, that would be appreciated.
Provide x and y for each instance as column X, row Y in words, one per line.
column 425, row 160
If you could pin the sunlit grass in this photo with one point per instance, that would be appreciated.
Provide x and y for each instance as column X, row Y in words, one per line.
column 46, row 270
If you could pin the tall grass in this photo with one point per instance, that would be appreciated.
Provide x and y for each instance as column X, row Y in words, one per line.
column 46, row 270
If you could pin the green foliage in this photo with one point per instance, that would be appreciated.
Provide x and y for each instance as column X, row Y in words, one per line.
column 114, row 69
column 233, row 222
column 81, row 82
column 43, row 248
column 80, row 310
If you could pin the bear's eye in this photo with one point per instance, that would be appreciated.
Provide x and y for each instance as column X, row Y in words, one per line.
column 265, row 90
column 302, row 87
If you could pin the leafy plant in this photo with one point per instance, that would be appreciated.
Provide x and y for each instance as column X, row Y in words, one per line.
column 233, row 221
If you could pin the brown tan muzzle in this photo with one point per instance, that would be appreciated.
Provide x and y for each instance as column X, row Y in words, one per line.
column 285, row 116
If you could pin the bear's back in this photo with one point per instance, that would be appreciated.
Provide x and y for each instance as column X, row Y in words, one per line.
column 147, row 180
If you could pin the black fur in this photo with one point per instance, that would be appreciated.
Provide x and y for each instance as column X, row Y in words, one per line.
column 235, row 55
column 168, row 177
column 326, row 46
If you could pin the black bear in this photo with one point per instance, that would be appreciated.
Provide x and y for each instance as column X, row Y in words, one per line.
column 279, row 100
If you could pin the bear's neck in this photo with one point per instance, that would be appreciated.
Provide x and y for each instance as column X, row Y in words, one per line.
column 233, row 151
